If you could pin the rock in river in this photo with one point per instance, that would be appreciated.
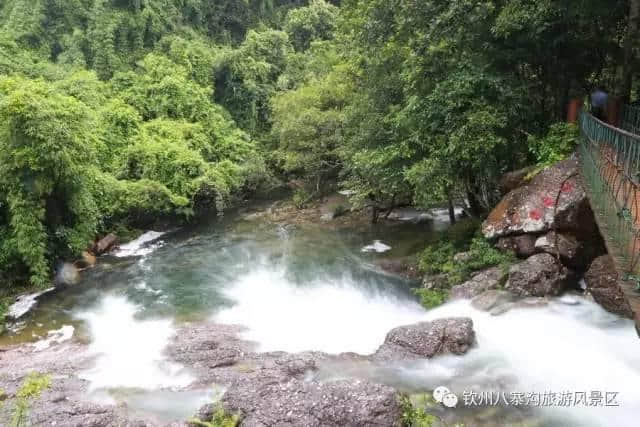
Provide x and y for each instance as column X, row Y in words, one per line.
column 492, row 278
column 539, row 276
column 428, row 339
column 312, row 403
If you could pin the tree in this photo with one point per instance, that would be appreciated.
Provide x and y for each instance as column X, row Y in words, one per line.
column 307, row 24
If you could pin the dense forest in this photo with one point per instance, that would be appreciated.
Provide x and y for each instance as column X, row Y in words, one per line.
column 122, row 113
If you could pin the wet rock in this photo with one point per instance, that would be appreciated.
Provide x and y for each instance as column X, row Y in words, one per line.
column 403, row 267
column 492, row 278
column 428, row 339
column 492, row 299
column 435, row 282
column 603, row 283
column 512, row 180
column 531, row 209
column 104, row 244
column 539, row 276
column 530, row 302
column 523, row 245
column 24, row 304
column 311, row 403
column 88, row 260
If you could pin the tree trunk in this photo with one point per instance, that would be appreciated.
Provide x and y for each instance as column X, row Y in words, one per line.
column 475, row 207
column 629, row 44
column 452, row 210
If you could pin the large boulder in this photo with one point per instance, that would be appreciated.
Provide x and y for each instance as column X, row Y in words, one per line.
column 603, row 283
column 428, row 339
column 523, row 245
column 512, row 180
column 312, row 403
column 492, row 278
column 539, row 276
column 531, row 209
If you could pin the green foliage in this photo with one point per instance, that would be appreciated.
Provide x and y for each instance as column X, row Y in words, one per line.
column 431, row 298
column 558, row 144
column 438, row 258
column 413, row 416
column 307, row 24
column 220, row 419
column 300, row 198
column 32, row 387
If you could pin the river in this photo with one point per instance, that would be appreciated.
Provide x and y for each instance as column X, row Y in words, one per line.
column 313, row 287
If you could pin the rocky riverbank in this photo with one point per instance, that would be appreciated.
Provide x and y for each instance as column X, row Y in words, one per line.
column 274, row 388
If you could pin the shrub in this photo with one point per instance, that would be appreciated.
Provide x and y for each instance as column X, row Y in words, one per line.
column 220, row 419
column 431, row 298
column 557, row 145
column 413, row 416
column 301, row 198
column 30, row 389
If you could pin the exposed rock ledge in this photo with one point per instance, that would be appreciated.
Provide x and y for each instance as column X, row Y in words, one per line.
column 274, row 388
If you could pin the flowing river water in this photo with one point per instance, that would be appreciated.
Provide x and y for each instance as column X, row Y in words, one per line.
column 299, row 288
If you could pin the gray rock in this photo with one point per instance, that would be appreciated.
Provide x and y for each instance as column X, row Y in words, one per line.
column 539, row 276
column 491, row 299
column 24, row 304
column 492, row 278
column 523, row 245
column 435, row 282
column 603, row 283
column 312, row 403
column 104, row 244
column 531, row 209
column 427, row 339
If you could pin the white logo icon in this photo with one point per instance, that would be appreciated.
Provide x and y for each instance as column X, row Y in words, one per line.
column 443, row 395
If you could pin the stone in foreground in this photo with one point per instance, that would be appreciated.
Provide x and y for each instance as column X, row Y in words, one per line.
column 313, row 404
column 427, row 339
column 603, row 283
column 492, row 278
column 539, row 276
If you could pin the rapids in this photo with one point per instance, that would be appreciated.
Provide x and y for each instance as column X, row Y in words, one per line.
column 311, row 288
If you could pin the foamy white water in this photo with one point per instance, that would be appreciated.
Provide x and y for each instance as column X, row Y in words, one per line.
column 129, row 350
column 377, row 246
column 329, row 316
column 140, row 246
column 56, row 336
column 575, row 348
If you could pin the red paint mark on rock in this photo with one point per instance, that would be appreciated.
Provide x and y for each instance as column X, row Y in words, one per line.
column 535, row 214
column 567, row 187
column 548, row 202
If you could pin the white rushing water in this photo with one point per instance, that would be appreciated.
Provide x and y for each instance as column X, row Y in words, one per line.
column 572, row 345
column 377, row 246
column 129, row 350
column 140, row 246
column 330, row 316
column 559, row 348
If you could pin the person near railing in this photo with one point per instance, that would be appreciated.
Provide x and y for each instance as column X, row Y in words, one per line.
column 599, row 103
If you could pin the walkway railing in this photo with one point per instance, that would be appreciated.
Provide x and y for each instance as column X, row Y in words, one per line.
column 610, row 161
column 630, row 120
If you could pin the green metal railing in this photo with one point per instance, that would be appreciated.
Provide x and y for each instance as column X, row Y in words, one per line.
column 630, row 120
column 610, row 162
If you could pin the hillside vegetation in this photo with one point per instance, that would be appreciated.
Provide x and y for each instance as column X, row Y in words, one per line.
column 129, row 112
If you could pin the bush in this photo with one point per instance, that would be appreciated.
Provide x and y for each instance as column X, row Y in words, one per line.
column 31, row 388
column 431, row 298
column 559, row 143
column 414, row 417
column 301, row 198
column 220, row 419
